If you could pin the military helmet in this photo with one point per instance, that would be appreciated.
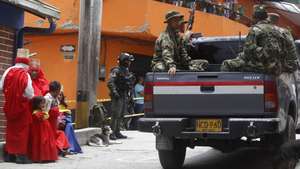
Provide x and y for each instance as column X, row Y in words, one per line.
column 125, row 56
column 260, row 12
column 171, row 15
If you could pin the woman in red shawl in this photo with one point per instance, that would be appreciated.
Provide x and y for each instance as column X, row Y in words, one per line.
column 39, row 82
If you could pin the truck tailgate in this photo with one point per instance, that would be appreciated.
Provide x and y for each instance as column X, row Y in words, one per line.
column 206, row 93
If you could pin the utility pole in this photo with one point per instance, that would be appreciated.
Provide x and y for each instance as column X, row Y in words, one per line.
column 88, row 60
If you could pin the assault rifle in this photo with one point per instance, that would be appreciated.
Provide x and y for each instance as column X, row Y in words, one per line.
column 192, row 17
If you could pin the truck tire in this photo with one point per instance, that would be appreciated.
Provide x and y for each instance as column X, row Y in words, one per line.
column 172, row 159
column 288, row 135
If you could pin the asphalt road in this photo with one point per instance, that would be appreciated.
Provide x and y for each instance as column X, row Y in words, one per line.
column 138, row 152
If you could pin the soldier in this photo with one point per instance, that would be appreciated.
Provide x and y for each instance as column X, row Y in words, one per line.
column 263, row 51
column 120, row 85
column 290, row 61
column 170, row 54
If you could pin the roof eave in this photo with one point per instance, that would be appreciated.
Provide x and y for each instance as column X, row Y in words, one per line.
column 36, row 7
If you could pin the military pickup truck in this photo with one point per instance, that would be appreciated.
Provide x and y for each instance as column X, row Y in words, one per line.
column 224, row 110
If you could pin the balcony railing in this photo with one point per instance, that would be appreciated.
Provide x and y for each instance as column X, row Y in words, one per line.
column 230, row 10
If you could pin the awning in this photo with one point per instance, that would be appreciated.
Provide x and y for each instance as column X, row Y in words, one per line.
column 36, row 7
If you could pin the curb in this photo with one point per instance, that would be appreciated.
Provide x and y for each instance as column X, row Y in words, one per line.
column 82, row 136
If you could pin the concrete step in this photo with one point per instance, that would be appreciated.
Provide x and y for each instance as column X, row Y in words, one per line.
column 82, row 135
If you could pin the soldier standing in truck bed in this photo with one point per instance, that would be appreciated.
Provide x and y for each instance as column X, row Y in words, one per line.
column 170, row 54
column 120, row 85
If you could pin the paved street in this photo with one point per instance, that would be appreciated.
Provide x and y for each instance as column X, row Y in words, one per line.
column 138, row 152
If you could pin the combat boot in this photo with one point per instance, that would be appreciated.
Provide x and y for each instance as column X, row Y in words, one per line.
column 120, row 136
column 113, row 136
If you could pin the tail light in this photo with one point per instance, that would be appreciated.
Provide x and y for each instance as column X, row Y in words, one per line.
column 148, row 97
column 271, row 97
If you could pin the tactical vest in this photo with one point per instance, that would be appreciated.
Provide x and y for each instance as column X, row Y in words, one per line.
column 124, row 80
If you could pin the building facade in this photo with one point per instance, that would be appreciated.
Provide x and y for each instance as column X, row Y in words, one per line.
column 11, row 36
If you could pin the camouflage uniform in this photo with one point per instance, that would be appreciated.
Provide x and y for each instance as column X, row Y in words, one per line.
column 290, row 60
column 120, row 85
column 170, row 51
column 265, row 51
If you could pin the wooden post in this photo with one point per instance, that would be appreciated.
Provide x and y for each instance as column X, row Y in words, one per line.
column 88, row 60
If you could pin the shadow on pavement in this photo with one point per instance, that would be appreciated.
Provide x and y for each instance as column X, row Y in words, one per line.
column 247, row 158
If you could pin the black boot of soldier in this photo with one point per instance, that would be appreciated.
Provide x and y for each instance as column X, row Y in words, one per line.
column 119, row 135
column 113, row 136
column 22, row 159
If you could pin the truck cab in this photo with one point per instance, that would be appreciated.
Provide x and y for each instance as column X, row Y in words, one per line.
column 224, row 110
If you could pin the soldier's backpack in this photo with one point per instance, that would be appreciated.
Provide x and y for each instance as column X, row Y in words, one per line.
column 97, row 116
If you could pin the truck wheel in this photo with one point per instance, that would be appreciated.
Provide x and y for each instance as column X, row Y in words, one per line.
column 172, row 159
column 288, row 135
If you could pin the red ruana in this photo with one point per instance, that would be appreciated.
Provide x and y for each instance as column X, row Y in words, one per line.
column 61, row 139
column 40, row 84
column 16, row 109
column 43, row 143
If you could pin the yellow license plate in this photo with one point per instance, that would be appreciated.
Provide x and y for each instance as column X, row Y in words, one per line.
column 209, row 125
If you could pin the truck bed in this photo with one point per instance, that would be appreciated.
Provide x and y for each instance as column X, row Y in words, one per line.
column 196, row 94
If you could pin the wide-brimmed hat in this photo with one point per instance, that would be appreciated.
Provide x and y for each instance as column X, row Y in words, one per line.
column 182, row 21
column 24, row 53
column 23, row 56
column 171, row 15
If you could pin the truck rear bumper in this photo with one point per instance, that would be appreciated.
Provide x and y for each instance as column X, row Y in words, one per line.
column 235, row 128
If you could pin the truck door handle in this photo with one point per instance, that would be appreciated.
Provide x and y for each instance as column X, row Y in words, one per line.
column 207, row 89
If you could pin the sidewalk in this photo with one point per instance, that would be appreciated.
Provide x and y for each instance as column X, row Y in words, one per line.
column 115, row 156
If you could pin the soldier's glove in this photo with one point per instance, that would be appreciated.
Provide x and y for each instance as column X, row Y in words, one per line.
column 115, row 94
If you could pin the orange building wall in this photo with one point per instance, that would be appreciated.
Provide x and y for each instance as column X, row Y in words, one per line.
column 52, row 61
column 128, row 26
column 114, row 46
column 207, row 24
column 56, row 68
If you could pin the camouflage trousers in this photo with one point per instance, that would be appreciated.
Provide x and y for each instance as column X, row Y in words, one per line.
column 233, row 65
column 159, row 67
column 194, row 65
column 198, row 65
column 119, row 109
